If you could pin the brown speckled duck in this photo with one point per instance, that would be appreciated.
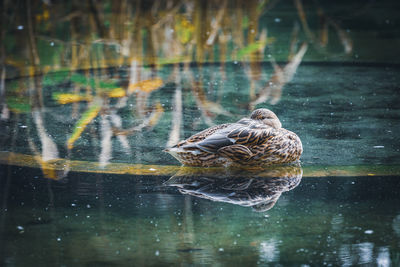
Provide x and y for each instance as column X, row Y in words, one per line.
column 258, row 140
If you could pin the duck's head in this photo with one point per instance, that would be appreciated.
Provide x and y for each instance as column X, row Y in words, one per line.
column 266, row 117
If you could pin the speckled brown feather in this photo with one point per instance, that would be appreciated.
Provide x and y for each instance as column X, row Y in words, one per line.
column 203, row 134
column 247, row 142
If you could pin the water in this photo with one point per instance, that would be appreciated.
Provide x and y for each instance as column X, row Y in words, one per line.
column 356, row 127
column 99, row 219
column 92, row 92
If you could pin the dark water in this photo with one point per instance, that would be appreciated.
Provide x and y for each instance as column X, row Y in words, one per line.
column 106, row 220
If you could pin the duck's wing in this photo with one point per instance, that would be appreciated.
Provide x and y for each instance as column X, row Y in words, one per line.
column 233, row 134
column 189, row 143
column 207, row 132
column 247, row 142
column 211, row 139
column 252, row 135
column 211, row 133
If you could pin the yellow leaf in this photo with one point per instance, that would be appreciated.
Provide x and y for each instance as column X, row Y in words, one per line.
column 117, row 92
column 184, row 29
column 146, row 85
column 70, row 98
column 46, row 14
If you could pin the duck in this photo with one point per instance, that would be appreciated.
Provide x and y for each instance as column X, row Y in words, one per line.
column 255, row 141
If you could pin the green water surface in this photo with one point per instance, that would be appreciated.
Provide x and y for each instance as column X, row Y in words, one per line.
column 143, row 75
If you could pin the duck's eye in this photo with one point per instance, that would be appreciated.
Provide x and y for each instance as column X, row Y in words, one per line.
column 265, row 117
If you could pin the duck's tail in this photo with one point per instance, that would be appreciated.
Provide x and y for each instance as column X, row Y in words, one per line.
column 175, row 152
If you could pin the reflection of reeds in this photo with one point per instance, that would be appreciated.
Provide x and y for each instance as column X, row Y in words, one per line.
column 157, row 25
column 174, row 135
column 147, row 122
column 106, row 146
column 117, row 123
column 35, row 60
column 114, row 33
column 49, row 148
column 86, row 118
column 216, row 23
column 208, row 108
column 145, row 36
column 303, row 20
column 4, row 112
column 273, row 90
column 343, row 36
column 324, row 23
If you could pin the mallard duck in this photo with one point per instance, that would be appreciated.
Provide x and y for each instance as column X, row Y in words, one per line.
column 258, row 140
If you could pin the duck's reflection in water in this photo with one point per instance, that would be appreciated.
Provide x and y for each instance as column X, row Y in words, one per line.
column 257, row 189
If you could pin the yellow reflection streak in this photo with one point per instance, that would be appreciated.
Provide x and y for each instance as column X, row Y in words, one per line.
column 87, row 117
column 15, row 159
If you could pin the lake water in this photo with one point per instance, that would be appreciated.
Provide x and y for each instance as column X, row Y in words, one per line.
column 105, row 220
column 91, row 94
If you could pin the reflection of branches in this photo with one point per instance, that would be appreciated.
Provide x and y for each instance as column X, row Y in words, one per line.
column 147, row 36
column 294, row 40
column 49, row 148
column 106, row 135
column 343, row 36
column 281, row 76
column 216, row 24
column 96, row 13
column 163, row 31
column 148, row 122
column 47, row 159
column 4, row 113
column 208, row 108
column 325, row 22
column 303, row 20
column 117, row 122
column 170, row 13
column 174, row 135
column 35, row 60
column 71, row 16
